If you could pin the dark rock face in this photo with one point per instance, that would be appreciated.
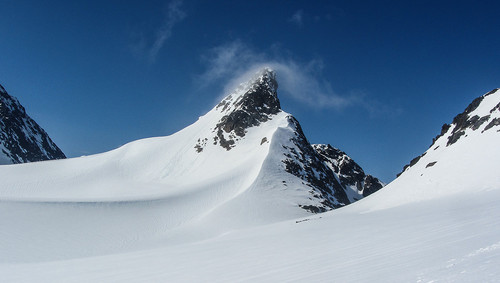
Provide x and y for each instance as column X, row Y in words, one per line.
column 494, row 122
column 349, row 173
column 461, row 123
column 444, row 130
column 303, row 161
column 256, row 106
column 21, row 138
column 372, row 185
column 256, row 102
column 463, row 120
column 496, row 108
column 430, row 164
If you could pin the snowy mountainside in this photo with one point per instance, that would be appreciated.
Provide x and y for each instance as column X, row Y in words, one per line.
column 21, row 138
column 246, row 162
column 437, row 223
column 462, row 159
column 256, row 102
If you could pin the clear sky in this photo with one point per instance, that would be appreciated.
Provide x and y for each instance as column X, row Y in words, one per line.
column 376, row 79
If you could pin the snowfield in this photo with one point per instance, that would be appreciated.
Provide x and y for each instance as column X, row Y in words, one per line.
column 435, row 240
column 156, row 210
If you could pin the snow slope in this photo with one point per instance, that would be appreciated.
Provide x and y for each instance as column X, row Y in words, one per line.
column 115, row 200
column 462, row 159
column 141, row 213
column 433, row 241
column 228, row 170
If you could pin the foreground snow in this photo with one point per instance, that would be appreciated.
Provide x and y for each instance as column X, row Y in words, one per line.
column 453, row 240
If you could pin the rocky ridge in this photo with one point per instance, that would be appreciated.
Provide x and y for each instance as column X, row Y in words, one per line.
column 471, row 121
column 302, row 161
column 21, row 138
column 351, row 176
column 332, row 178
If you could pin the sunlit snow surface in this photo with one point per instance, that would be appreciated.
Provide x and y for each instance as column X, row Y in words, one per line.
column 141, row 213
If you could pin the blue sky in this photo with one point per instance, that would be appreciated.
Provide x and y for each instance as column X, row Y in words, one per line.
column 375, row 78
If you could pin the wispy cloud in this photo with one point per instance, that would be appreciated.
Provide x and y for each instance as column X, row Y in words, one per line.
column 235, row 62
column 150, row 48
column 298, row 18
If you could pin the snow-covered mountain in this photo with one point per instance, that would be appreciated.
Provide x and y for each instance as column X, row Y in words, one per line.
column 246, row 135
column 331, row 178
column 475, row 117
column 463, row 158
column 21, row 138
column 132, row 215
column 246, row 162
column 219, row 201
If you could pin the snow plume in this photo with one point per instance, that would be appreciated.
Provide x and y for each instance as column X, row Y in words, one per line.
column 233, row 63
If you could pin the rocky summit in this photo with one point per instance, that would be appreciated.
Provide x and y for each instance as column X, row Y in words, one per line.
column 258, row 103
column 330, row 177
column 21, row 138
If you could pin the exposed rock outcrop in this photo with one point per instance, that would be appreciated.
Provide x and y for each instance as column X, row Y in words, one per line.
column 21, row 138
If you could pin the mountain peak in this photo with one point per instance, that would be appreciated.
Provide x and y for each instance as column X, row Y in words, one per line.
column 262, row 85
column 266, row 77
column 252, row 103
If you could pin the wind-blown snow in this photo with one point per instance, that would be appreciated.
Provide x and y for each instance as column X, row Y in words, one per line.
column 157, row 210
